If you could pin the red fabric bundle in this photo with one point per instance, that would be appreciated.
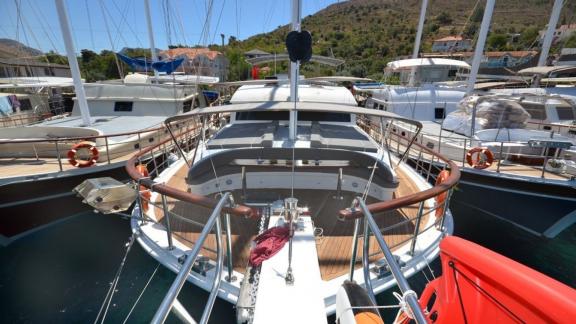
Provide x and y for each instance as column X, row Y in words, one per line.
column 268, row 244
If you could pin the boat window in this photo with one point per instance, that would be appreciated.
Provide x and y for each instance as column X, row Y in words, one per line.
column 439, row 113
column 302, row 116
column 565, row 112
column 187, row 106
column 375, row 106
column 452, row 73
column 123, row 106
column 535, row 110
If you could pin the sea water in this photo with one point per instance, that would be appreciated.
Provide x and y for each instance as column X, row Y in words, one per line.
column 62, row 273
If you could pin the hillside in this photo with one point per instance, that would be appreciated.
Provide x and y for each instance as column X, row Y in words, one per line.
column 10, row 48
column 369, row 33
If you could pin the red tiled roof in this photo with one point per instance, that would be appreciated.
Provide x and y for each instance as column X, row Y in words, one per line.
column 190, row 53
column 565, row 27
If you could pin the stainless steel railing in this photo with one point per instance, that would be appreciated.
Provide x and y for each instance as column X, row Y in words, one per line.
column 111, row 147
column 516, row 152
column 172, row 294
column 370, row 226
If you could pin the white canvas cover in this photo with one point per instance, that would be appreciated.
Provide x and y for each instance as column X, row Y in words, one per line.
column 491, row 113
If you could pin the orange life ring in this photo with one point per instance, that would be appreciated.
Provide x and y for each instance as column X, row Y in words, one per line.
column 484, row 157
column 441, row 198
column 73, row 155
column 144, row 192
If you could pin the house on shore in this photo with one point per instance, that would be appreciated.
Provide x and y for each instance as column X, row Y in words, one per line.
column 200, row 61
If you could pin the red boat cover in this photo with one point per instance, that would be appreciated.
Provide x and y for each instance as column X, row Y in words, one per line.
column 268, row 244
column 481, row 286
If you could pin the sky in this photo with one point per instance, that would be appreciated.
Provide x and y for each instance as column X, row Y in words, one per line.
column 114, row 24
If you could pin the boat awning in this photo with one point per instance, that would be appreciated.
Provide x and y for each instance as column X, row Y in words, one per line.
column 35, row 82
column 287, row 105
column 338, row 79
column 410, row 63
column 188, row 79
column 543, row 70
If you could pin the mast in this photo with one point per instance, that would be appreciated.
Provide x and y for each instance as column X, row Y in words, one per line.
column 478, row 56
column 151, row 35
column 418, row 39
column 547, row 42
column 73, row 62
column 294, row 71
column 480, row 45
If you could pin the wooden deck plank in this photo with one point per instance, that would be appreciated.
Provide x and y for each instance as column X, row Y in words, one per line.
column 334, row 247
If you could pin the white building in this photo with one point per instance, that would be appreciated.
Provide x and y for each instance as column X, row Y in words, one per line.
column 451, row 44
column 560, row 34
column 567, row 57
column 200, row 61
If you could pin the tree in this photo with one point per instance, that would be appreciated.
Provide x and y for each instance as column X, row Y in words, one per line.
column 53, row 57
column 497, row 41
column 571, row 41
column 528, row 37
column 87, row 55
column 443, row 18
column 477, row 14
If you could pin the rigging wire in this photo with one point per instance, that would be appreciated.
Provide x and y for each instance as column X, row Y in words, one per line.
column 104, row 11
column 89, row 24
column 141, row 293
column 112, row 290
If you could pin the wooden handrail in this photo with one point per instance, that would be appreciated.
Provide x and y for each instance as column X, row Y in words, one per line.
column 413, row 198
column 194, row 199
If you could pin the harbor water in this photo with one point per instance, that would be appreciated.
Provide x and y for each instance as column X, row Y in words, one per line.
column 61, row 274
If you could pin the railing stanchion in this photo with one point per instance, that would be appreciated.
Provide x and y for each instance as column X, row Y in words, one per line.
column 500, row 157
column 411, row 298
column 545, row 162
column 446, row 204
column 366, row 261
column 230, row 277
column 354, row 248
column 58, row 156
column 107, row 149
column 178, row 283
column 139, row 142
column 167, row 221
column 417, row 227
column 139, row 201
column 464, row 153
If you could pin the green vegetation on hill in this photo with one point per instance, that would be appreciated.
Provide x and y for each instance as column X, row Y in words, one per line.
column 370, row 33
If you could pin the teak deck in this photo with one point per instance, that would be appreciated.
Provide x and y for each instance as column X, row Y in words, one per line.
column 334, row 246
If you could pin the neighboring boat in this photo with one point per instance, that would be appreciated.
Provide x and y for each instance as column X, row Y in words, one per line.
column 528, row 176
column 431, row 94
column 27, row 100
column 253, row 160
column 42, row 162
